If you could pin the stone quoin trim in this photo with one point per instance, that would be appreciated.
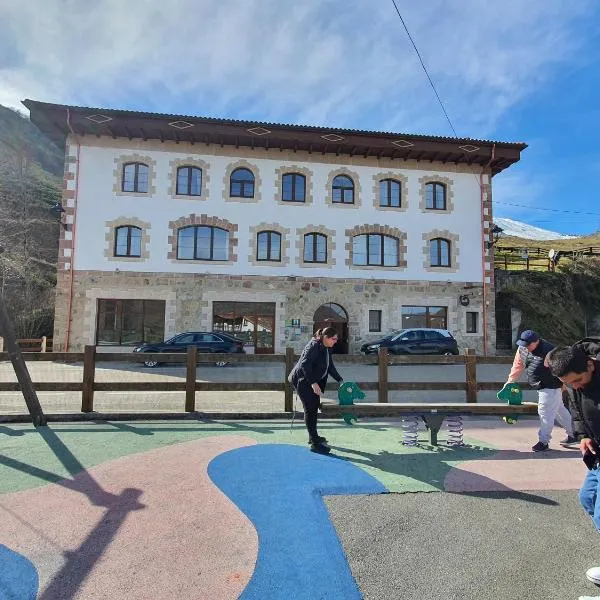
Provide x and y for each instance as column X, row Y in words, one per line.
column 175, row 226
column 329, row 233
column 110, row 229
column 402, row 179
column 188, row 162
column 285, row 245
column 449, row 183
column 329, row 189
column 454, row 251
column 382, row 230
column 124, row 159
column 241, row 164
column 308, row 189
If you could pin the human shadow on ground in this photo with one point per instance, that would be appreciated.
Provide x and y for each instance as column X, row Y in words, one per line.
column 432, row 467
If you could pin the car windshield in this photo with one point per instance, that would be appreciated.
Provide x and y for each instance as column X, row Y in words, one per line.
column 395, row 335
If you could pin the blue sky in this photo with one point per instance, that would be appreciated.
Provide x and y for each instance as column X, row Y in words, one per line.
column 517, row 70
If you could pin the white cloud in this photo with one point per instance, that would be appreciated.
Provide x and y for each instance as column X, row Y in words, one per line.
column 335, row 62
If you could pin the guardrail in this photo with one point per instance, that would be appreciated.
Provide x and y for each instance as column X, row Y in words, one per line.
column 90, row 358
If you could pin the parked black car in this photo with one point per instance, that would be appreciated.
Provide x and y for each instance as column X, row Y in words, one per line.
column 415, row 341
column 205, row 341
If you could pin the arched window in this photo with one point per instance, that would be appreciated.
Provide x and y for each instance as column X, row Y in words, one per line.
column 241, row 184
column 439, row 252
column 128, row 241
column 189, row 181
column 435, row 196
column 375, row 249
column 268, row 246
column 315, row 248
column 342, row 189
column 390, row 193
column 202, row 242
column 135, row 178
column 293, row 187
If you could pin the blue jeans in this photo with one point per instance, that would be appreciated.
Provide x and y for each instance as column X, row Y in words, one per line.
column 589, row 496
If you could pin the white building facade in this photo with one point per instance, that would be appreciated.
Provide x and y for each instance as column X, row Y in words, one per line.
column 178, row 224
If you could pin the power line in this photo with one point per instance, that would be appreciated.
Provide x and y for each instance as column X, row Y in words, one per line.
column 572, row 212
column 425, row 69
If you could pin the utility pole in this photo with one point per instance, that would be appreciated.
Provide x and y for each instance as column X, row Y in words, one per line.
column 16, row 356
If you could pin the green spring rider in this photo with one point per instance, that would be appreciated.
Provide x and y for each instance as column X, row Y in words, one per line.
column 511, row 393
column 348, row 392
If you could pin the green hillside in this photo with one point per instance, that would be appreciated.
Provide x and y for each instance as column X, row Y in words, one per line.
column 31, row 169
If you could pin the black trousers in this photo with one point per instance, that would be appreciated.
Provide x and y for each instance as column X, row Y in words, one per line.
column 310, row 402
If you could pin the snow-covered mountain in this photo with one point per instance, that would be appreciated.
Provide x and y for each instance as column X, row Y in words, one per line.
column 529, row 232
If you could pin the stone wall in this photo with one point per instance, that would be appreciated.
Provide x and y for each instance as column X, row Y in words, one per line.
column 189, row 299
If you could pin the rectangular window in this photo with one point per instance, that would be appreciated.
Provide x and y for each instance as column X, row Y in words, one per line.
column 424, row 316
column 130, row 322
column 472, row 322
column 374, row 320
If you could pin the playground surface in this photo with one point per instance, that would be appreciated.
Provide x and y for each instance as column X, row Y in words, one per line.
column 225, row 510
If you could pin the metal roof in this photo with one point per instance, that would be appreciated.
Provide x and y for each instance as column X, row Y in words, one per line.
column 58, row 120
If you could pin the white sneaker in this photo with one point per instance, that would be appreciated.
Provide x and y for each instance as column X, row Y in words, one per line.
column 593, row 575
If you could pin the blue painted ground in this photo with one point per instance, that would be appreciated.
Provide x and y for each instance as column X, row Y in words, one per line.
column 18, row 577
column 280, row 488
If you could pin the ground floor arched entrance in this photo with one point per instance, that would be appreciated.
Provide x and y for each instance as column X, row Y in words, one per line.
column 333, row 315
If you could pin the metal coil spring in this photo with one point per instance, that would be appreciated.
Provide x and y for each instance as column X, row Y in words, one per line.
column 454, row 426
column 410, row 430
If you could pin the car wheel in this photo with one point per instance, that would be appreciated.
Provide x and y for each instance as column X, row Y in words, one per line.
column 447, row 353
column 221, row 363
column 151, row 363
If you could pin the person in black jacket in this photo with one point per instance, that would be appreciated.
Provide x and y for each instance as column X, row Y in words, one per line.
column 309, row 377
column 531, row 352
column 576, row 366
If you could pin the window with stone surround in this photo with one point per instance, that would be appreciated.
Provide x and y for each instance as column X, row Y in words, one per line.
column 435, row 317
column 315, row 245
column 376, row 247
column 293, row 186
column 241, row 182
column 129, row 322
column 134, row 175
column 198, row 247
column 127, row 240
column 315, row 248
column 202, row 242
column 188, row 178
column 436, row 194
column 440, row 251
column 374, row 321
column 390, row 191
column 268, row 246
column 343, row 189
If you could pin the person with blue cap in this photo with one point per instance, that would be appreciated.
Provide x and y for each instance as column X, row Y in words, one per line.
column 530, row 357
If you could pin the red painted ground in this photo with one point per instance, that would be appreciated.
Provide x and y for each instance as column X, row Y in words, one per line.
column 145, row 526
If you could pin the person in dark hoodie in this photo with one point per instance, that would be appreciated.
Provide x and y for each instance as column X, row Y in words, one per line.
column 309, row 377
column 531, row 352
column 577, row 367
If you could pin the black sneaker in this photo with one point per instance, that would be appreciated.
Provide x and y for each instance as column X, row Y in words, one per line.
column 318, row 440
column 540, row 447
column 320, row 448
column 569, row 441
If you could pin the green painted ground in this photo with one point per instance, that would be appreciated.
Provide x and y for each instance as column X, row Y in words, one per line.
column 30, row 458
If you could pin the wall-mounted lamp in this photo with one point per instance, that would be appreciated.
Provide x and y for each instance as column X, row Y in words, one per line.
column 496, row 235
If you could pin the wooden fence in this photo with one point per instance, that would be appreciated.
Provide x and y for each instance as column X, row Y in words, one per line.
column 43, row 344
column 90, row 358
column 536, row 259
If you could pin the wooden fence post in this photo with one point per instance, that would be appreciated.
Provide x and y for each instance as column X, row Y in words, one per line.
column 382, row 388
column 190, row 379
column 89, row 374
column 44, row 342
column 471, row 374
column 1, row 344
column 288, row 405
